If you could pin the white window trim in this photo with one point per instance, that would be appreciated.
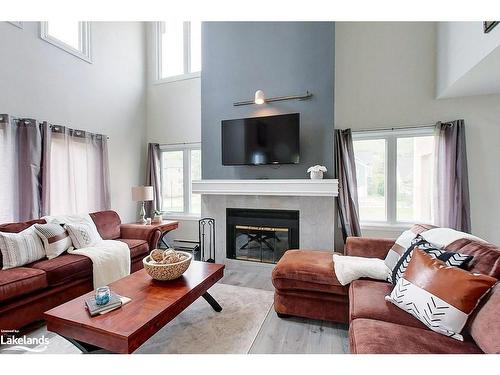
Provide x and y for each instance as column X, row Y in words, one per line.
column 85, row 41
column 391, row 175
column 185, row 148
column 186, row 59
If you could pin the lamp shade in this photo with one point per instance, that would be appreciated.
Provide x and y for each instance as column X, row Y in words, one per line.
column 142, row 193
column 260, row 97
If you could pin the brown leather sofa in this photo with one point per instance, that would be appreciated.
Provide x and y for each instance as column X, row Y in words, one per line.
column 306, row 286
column 26, row 292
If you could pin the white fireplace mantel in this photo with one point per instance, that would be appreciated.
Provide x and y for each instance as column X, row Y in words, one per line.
column 295, row 187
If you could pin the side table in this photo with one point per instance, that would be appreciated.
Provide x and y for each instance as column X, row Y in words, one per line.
column 165, row 226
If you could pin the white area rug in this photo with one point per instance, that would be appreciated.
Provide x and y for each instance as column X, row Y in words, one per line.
column 198, row 329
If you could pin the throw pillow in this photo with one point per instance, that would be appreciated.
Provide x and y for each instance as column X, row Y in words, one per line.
column 20, row 248
column 349, row 268
column 448, row 257
column 82, row 234
column 440, row 296
column 55, row 239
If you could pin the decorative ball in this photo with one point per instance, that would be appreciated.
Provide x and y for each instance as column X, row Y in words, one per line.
column 157, row 255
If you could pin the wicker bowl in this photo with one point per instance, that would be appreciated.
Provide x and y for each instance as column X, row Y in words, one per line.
column 169, row 271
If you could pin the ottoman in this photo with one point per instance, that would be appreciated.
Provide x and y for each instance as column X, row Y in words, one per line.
column 305, row 285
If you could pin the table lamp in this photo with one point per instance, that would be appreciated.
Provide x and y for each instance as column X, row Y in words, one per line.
column 142, row 194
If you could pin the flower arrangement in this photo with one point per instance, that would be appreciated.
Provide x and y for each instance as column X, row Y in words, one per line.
column 317, row 171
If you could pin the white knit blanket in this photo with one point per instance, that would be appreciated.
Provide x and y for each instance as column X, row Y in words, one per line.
column 110, row 259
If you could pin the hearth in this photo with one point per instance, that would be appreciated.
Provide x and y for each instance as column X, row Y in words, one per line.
column 260, row 235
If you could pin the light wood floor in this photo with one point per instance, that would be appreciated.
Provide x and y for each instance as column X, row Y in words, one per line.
column 291, row 335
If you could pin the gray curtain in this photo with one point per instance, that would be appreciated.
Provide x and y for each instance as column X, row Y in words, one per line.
column 45, row 168
column 345, row 172
column 21, row 159
column 153, row 178
column 452, row 204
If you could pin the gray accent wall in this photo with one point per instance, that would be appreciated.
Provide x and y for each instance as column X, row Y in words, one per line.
column 280, row 58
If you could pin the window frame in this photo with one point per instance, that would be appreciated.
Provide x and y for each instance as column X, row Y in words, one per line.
column 186, row 149
column 390, row 136
column 158, row 79
column 85, row 41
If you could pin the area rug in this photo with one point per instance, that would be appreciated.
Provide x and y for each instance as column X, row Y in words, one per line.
column 198, row 329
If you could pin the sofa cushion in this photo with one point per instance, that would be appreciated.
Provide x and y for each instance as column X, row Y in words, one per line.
column 138, row 248
column 64, row 268
column 367, row 336
column 484, row 325
column 107, row 223
column 367, row 300
column 307, row 270
column 486, row 256
column 19, row 249
column 19, row 281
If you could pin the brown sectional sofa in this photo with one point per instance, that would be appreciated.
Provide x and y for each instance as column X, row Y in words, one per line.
column 305, row 285
column 26, row 292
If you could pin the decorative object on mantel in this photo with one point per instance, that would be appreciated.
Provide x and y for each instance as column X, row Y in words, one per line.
column 142, row 194
column 317, row 171
column 260, row 98
column 206, row 235
column 489, row 25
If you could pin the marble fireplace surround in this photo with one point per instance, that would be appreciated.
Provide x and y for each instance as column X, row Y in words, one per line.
column 314, row 199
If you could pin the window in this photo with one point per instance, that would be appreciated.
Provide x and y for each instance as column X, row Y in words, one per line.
column 71, row 36
column 180, row 165
column 395, row 171
column 178, row 50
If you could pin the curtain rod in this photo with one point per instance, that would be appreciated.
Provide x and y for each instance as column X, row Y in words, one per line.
column 52, row 126
column 422, row 126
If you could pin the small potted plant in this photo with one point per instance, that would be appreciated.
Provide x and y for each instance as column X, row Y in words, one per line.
column 316, row 172
column 158, row 218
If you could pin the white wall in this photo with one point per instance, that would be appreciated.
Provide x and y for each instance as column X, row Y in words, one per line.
column 464, row 54
column 385, row 76
column 173, row 116
column 41, row 81
column 173, row 108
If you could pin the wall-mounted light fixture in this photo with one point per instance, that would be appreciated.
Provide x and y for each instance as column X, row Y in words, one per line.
column 260, row 98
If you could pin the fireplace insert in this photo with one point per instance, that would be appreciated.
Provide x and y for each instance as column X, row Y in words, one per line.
column 261, row 235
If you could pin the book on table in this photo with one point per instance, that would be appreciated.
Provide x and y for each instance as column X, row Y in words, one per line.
column 115, row 302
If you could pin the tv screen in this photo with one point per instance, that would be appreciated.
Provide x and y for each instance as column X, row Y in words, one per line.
column 261, row 140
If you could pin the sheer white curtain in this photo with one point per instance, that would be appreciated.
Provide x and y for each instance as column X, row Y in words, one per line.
column 79, row 176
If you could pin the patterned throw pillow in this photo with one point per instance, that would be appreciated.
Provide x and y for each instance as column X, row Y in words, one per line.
column 82, row 234
column 448, row 257
column 55, row 239
column 440, row 296
column 20, row 248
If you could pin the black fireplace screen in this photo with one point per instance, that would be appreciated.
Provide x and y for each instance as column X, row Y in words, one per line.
column 261, row 235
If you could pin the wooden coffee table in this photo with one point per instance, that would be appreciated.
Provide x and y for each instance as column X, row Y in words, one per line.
column 153, row 305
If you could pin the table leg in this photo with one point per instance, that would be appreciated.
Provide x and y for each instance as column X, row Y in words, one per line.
column 212, row 302
column 84, row 347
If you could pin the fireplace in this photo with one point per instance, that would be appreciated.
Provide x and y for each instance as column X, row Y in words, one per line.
column 260, row 235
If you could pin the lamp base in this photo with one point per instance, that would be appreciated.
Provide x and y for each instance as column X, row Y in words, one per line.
column 142, row 214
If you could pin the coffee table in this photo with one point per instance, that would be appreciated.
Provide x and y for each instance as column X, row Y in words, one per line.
column 153, row 305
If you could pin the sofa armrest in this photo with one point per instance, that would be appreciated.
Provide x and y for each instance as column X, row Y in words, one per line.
column 141, row 232
column 368, row 247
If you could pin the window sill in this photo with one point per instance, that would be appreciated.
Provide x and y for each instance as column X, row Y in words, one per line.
column 180, row 77
column 182, row 216
column 400, row 227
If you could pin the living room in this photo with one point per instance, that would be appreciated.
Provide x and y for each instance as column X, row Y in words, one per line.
column 249, row 185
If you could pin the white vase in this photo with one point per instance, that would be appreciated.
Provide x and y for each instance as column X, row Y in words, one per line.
column 316, row 175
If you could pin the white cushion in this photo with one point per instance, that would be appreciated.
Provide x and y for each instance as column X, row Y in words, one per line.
column 55, row 238
column 20, row 248
column 83, row 235
column 349, row 268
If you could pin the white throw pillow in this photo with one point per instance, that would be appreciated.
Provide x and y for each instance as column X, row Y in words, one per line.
column 55, row 238
column 83, row 234
column 20, row 248
column 349, row 268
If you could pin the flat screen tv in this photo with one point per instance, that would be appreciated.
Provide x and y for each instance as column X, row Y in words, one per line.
column 261, row 140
